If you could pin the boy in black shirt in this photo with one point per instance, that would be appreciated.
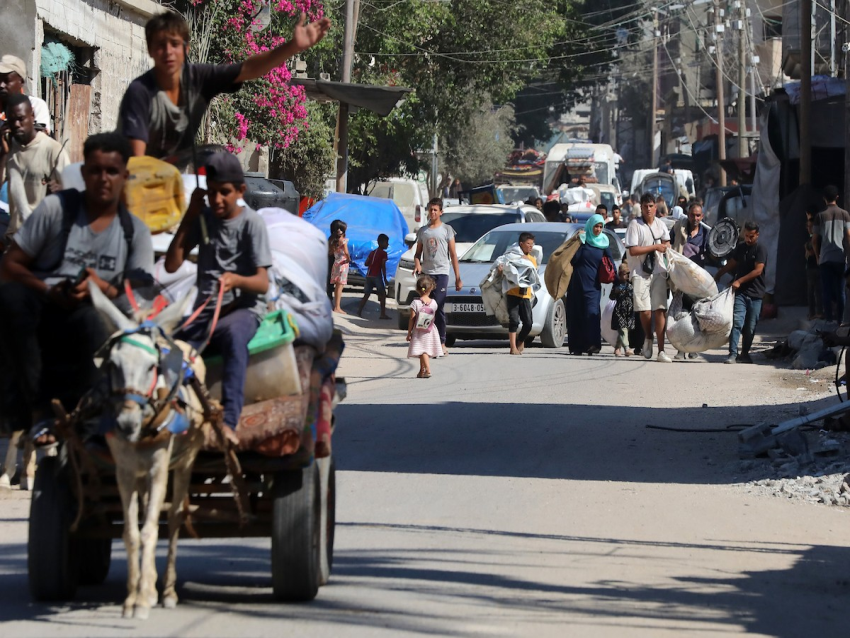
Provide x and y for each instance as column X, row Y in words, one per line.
column 747, row 262
column 162, row 109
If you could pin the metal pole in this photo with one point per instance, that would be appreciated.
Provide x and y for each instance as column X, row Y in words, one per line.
column 833, row 60
column 743, row 146
column 342, row 115
column 805, row 91
column 721, row 106
column 753, row 70
column 654, row 105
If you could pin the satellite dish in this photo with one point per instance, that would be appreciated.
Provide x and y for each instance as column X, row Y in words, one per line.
column 723, row 238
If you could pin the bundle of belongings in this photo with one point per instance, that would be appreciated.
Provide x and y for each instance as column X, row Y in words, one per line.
column 705, row 327
column 516, row 272
column 708, row 323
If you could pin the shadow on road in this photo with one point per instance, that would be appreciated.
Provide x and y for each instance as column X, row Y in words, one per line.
column 479, row 584
column 581, row 442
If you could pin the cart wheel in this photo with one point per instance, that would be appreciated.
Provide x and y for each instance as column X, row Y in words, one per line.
column 51, row 562
column 327, row 472
column 95, row 556
column 296, row 533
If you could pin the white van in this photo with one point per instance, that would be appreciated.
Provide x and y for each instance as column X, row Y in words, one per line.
column 410, row 196
column 684, row 179
column 600, row 156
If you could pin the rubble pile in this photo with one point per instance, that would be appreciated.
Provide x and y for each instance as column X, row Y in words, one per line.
column 819, row 476
column 805, row 347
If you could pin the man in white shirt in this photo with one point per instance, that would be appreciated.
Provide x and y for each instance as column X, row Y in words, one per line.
column 34, row 164
column 647, row 239
column 13, row 73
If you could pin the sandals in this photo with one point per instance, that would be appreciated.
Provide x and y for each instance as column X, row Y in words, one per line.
column 423, row 375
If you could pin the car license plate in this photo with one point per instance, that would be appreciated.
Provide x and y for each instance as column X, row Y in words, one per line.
column 464, row 307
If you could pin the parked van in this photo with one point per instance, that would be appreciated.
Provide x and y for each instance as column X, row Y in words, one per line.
column 598, row 156
column 410, row 196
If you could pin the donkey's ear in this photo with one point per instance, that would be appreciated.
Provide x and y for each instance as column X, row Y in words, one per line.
column 108, row 311
column 173, row 313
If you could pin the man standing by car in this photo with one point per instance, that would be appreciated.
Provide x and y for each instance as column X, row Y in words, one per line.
column 647, row 239
column 435, row 252
column 747, row 262
column 830, row 240
column 616, row 219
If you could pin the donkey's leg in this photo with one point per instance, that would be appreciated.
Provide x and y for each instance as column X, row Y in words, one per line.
column 176, row 516
column 126, row 478
column 158, row 477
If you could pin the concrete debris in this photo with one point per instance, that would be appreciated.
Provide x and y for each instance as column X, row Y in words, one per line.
column 821, row 480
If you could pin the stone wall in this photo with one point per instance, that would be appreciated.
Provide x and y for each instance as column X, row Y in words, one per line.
column 113, row 30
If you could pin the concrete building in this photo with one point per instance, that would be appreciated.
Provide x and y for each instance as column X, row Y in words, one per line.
column 80, row 57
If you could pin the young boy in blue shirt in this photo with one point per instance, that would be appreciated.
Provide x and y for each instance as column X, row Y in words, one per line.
column 234, row 254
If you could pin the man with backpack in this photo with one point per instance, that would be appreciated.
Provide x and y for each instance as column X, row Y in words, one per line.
column 49, row 330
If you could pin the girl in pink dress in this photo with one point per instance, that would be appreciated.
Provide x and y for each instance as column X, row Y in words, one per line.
column 421, row 331
column 338, row 246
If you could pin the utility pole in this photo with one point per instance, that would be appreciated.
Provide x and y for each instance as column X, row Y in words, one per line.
column 805, row 91
column 743, row 146
column 753, row 61
column 342, row 115
column 654, row 105
column 721, row 106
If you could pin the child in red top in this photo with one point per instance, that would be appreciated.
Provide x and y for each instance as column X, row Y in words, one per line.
column 376, row 276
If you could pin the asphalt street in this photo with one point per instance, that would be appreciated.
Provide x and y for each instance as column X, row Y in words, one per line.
column 512, row 496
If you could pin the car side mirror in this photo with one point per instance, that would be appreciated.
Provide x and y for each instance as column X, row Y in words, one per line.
column 410, row 239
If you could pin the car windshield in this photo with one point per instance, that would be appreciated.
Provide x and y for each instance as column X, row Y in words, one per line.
column 607, row 199
column 600, row 169
column 518, row 194
column 661, row 187
column 494, row 244
column 469, row 227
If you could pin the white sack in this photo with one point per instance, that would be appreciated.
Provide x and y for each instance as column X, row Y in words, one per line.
column 297, row 291
column 683, row 328
column 292, row 236
column 688, row 277
column 495, row 304
column 178, row 284
column 608, row 333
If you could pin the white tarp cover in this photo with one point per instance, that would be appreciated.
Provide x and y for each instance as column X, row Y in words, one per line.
column 765, row 202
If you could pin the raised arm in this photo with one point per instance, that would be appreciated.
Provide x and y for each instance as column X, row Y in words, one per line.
column 303, row 37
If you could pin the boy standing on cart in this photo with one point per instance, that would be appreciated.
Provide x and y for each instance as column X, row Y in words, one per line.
column 162, row 109
column 233, row 258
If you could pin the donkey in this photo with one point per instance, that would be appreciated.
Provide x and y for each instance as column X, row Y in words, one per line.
column 148, row 401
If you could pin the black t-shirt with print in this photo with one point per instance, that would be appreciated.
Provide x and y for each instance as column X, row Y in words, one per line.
column 746, row 257
column 147, row 114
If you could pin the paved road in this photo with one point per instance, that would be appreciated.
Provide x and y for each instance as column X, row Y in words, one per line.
column 512, row 496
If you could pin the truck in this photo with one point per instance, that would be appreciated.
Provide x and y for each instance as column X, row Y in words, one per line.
column 567, row 160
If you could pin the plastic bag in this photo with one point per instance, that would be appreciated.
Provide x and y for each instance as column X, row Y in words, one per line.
column 608, row 333
column 688, row 277
column 683, row 328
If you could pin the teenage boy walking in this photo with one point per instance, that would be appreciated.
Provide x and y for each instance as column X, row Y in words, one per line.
column 747, row 262
column 830, row 239
column 162, row 109
column 435, row 251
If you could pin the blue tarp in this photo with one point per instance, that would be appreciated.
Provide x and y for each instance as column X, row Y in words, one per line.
column 367, row 217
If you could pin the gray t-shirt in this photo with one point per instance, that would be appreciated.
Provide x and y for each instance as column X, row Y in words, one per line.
column 41, row 238
column 239, row 245
column 832, row 226
column 435, row 248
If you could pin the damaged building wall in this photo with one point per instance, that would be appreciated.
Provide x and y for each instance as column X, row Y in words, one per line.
column 108, row 37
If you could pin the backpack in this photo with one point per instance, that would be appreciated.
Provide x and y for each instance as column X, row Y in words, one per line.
column 424, row 319
column 72, row 199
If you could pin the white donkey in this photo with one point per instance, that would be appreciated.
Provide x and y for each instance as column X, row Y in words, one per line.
column 149, row 402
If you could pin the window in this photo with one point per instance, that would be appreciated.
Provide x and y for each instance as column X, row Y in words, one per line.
column 469, row 227
column 772, row 27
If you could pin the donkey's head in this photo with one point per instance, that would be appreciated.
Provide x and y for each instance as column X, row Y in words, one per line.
column 133, row 362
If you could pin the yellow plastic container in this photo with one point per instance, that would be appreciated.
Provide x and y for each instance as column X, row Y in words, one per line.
column 154, row 193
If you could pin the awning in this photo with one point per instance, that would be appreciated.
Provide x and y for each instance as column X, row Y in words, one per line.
column 378, row 99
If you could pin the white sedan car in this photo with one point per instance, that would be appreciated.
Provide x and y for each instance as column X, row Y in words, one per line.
column 469, row 223
column 465, row 316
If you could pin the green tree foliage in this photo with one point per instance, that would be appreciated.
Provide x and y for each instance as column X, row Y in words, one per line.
column 478, row 148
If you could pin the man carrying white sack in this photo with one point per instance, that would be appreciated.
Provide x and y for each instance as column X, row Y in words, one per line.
column 690, row 238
